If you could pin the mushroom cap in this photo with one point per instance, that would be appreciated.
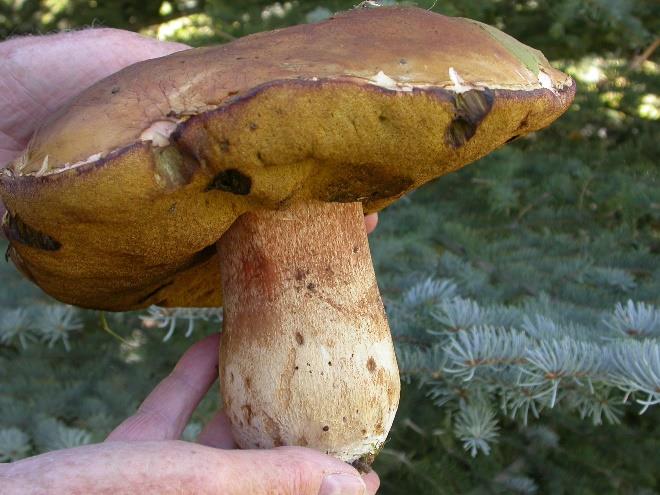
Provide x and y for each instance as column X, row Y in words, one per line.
column 121, row 195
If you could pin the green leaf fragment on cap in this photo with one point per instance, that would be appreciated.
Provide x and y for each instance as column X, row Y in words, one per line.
column 530, row 57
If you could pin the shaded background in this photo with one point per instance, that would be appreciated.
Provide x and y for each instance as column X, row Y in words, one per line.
column 568, row 217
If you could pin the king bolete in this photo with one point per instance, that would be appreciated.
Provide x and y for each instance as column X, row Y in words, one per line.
column 239, row 175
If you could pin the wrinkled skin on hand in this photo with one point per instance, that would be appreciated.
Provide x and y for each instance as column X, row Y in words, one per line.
column 143, row 454
column 40, row 73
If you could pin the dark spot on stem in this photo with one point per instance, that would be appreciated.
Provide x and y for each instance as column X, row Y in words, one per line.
column 300, row 339
column 371, row 364
column 326, row 428
column 231, row 180
column 247, row 411
column 391, row 394
column 273, row 430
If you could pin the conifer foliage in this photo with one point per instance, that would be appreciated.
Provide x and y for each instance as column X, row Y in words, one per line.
column 523, row 292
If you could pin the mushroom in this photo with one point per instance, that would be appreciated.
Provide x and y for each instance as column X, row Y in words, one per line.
column 247, row 168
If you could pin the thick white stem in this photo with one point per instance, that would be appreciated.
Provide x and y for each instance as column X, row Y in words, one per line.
column 306, row 356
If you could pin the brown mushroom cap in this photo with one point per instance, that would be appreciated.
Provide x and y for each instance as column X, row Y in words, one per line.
column 122, row 194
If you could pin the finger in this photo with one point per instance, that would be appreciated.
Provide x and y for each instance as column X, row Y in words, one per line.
column 372, row 481
column 165, row 412
column 174, row 467
column 370, row 222
column 294, row 471
column 40, row 73
column 217, row 433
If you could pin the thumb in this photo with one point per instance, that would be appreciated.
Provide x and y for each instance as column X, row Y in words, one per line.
column 40, row 73
column 173, row 467
column 297, row 471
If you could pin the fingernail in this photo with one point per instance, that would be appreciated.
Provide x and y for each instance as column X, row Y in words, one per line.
column 342, row 484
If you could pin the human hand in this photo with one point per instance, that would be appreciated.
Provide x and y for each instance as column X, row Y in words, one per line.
column 40, row 73
column 143, row 454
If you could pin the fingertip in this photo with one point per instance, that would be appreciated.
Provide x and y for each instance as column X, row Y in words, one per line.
column 370, row 222
column 217, row 433
column 210, row 341
column 301, row 471
column 204, row 351
column 372, row 481
column 214, row 339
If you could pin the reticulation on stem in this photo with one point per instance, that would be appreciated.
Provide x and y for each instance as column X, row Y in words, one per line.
column 306, row 355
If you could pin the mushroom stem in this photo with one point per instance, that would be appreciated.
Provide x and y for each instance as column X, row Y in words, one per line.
column 306, row 355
